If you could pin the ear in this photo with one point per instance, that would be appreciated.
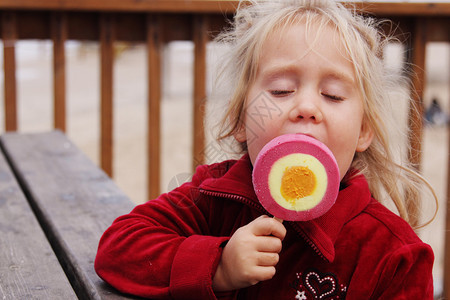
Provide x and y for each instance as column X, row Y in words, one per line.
column 240, row 134
column 365, row 137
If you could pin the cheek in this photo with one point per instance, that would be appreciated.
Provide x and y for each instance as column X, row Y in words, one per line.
column 261, row 126
column 256, row 139
column 344, row 161
column 343, row 143
column 344, row 149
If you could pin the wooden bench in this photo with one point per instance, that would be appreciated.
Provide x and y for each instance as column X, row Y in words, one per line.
column 28, row 266
column 72, row 201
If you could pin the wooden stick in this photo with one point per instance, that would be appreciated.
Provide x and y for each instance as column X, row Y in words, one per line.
column 278, row 219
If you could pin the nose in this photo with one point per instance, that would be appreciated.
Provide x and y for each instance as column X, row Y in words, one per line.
column 306, row 108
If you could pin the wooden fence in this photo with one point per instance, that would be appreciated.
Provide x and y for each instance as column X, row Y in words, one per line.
column 158, row 22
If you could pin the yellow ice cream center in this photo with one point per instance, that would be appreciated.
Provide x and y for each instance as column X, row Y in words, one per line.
column 297, row 181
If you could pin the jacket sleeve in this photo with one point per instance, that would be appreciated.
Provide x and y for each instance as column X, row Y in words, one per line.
column 163, row 249
column 407, row 274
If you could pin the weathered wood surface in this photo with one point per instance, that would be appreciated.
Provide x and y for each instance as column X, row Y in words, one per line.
column 73, row 199
column 29, row 268
column 213, row 6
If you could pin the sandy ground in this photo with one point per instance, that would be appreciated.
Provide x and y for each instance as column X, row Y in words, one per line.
column 35, row 111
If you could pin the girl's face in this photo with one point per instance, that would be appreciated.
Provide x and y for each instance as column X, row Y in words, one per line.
column 306, row 84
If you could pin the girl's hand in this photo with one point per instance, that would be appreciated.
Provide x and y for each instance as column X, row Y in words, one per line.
column 251, row 254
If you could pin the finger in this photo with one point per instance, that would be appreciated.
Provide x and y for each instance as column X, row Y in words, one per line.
column 265, row 225
column 264, row 273
column 267, row 259
column 269, row 244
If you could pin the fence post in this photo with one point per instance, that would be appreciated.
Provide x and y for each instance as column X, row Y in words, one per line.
column 106, row 101
column 200, row 38
column 59, row 37
column 9, row 35
column 154, row 43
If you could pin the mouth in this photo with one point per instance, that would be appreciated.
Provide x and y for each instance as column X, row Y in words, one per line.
column 311, row 136
column 307, row 134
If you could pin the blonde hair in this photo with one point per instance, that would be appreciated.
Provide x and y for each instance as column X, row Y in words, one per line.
column 364, row 44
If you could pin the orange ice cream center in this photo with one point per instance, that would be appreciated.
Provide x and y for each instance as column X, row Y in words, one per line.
column 297, row 181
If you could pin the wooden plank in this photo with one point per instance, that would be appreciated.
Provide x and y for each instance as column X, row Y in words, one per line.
column 416, row 106
column 83, row 25
column 130, row 27
column 59, row 37
column 154, row 45
column 29, row 269
column 403, row 9
column 106, row 81
column 220, row 6
column 73, row 199
column 438, row 29
column 416, row 110
column 9, row 64
column 200, row 38
column 33, row 23
column 215, row 6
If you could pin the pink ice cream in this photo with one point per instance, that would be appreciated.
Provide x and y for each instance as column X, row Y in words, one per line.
column 296, row 177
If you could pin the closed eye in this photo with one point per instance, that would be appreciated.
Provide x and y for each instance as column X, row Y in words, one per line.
column 333, row 97
column 281, row 93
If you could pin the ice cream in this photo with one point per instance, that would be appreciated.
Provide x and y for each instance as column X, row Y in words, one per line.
column 296, row 177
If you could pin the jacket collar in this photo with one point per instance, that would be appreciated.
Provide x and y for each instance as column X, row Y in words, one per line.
column 320, row 233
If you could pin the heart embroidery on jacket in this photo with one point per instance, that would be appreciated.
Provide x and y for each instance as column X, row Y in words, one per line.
column 313, row 284
column 319, row 286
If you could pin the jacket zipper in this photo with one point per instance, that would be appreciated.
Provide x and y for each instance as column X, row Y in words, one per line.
column 246, row 201
column 234, row 197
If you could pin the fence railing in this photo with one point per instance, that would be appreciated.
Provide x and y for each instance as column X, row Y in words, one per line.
column 158, row 22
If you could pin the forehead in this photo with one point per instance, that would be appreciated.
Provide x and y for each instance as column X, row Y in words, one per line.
column 313, row 32
column 318, row 44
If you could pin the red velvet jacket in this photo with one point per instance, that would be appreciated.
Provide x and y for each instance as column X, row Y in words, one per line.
column 170, row 247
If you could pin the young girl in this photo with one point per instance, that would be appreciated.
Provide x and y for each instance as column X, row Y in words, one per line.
column 295, row 66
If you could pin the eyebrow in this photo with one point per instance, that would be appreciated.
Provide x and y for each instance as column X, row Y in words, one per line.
column 276, row 71
column 340, row 76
